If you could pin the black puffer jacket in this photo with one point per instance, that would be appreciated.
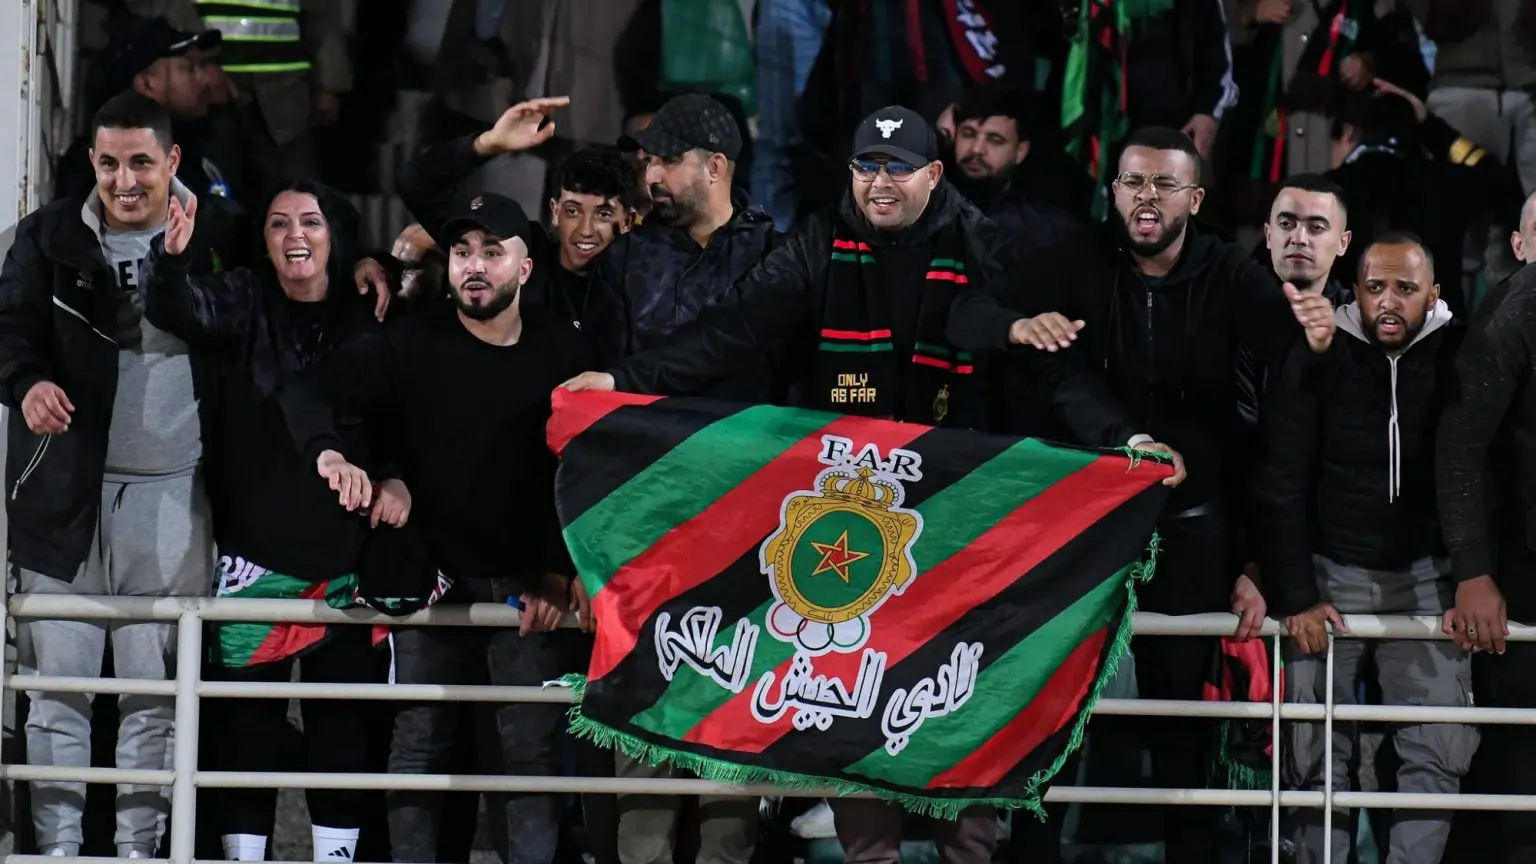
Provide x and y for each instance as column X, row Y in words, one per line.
column 665, row 280
column 1348, row 457
column 58, row 302
column 274, row 509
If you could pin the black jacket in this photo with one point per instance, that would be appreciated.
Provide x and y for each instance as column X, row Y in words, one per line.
column 57, row 304
column 276, row 511
column 1179, row 64
column 1347, row 470
column 665, row 281
column 1494, row 405
column 782, row 298
column 1168, row 348
column 432, row 182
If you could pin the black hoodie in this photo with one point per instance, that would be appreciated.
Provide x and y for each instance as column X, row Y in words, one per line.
column 1168, row 348
column 274, row 509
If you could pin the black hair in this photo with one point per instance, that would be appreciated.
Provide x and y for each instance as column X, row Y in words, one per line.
column 130, row 110
column 1398, row 237
column 1319, row 183
column 1164, row 138
column 602, row 171
column 342, row 222
column 997, row 100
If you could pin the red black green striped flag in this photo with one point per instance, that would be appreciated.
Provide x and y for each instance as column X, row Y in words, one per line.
column 816, row 600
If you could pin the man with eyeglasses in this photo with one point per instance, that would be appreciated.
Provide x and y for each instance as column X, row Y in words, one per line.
column 1163, row 307
column 891, row 289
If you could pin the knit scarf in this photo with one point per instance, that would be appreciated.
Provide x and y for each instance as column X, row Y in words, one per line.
column 1326, row 49
column 1093, row 99
column 856, row 370
column 969, row 27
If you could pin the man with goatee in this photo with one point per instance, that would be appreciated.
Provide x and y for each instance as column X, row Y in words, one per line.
column 471, row 382
column 1163, row 308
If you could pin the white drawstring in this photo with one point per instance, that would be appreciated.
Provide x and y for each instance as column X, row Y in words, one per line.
column 1394, row 441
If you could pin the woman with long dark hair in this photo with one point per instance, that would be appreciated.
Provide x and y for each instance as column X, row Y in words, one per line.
column 281, row 532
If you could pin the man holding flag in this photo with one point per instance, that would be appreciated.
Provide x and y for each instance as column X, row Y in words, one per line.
column 887, row 294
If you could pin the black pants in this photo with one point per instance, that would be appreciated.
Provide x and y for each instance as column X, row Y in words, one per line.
column 529, row 732
column 249, row 735
column 1509, row 683
column 1194, row 574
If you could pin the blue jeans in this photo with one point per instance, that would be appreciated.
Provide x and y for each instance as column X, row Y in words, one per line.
column 789, row 34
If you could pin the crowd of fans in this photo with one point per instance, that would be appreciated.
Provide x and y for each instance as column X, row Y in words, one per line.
column 1278, row 240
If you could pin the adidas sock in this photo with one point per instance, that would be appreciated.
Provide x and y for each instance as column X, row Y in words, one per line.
column 334, row 844
column 245, row 847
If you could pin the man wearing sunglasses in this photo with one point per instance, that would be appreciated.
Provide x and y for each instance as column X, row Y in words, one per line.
column 885, row 303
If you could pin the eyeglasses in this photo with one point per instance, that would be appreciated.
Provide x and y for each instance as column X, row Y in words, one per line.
column 1162, row 184
column 869, row 169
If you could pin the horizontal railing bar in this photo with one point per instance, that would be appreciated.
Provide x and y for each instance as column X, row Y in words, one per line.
column 386, row 692
column 107, row 686
column 66, row 606
column 50, row 859
column 556, row 695
column 68, row 774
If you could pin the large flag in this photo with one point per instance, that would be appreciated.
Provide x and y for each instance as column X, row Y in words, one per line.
column 814, row 600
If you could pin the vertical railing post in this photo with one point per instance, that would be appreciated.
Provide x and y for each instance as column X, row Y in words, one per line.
column 1328, row 755
column 189, row 665
column 1277, row 688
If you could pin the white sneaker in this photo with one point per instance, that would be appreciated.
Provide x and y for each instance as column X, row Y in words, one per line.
column 815, row 823
column 57, row 853
column 137, row 854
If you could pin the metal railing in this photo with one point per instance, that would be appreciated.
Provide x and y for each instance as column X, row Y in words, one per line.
column 185, row 778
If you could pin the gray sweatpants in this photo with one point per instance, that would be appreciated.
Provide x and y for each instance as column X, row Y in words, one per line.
column 1433, row 756
column 154, row 539
column 648, row 823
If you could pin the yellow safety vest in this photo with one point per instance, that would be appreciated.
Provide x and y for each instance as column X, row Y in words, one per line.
column 260, row 36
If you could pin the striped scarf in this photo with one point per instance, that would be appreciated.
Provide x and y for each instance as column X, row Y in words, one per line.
column 856, row 370
column 1093, row 101
column 1327, row 47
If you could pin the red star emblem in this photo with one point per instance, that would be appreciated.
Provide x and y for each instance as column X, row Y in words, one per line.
column 836, row 557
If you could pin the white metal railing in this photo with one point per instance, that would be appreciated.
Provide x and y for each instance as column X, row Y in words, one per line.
column 188, row 688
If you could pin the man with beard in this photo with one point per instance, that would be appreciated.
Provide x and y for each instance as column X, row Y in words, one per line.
column 891, row 287
column 593, row 204
column 1349, row 527
column 471, row 382
column 989, row 131
column 1164, row 308
column 699, row 238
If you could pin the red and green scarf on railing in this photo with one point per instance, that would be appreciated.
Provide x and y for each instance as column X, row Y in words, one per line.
column 856, row 369
column 1327, row 47
column 1093, row 101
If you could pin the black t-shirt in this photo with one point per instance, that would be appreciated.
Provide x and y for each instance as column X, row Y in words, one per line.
column 472, row 441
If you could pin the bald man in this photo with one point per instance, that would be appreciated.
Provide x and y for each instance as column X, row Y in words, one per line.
column 1523, row 239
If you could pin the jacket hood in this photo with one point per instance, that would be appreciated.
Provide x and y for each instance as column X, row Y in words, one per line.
column 1202, row 249
column 1348, row 320
column 945, row 205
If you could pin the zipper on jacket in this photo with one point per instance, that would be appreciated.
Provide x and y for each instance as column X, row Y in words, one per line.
column 36, row 460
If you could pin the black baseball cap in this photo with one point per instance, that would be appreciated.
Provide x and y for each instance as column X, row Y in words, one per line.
column 897, row 132
column 494, row 214
column 688, row 122
column 135, row 46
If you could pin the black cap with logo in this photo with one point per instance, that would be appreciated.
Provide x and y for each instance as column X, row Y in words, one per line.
column 896, row 132
column 135, row 46
column 497, row 215
column 688, row 122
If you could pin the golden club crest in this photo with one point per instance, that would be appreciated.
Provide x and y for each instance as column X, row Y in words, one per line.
column 476, row 203
column 839, row 552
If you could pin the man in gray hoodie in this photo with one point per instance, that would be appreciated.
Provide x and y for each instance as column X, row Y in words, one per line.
column 1350, row 527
